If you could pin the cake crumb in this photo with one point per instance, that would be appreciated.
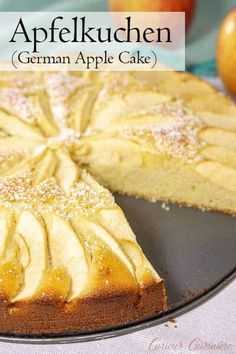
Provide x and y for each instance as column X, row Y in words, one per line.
column 172, row 320
column 165, row 206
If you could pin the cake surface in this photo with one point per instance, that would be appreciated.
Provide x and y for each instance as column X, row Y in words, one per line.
column 164, row 136
column 69, row 260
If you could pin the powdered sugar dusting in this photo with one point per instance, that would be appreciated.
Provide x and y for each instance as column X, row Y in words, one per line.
column 178, row 136
column 13, row 100
column 67, row 138
column 168, row 109
column 117, row 84
column 19, row 193
column 26, row 82
column 59, row 87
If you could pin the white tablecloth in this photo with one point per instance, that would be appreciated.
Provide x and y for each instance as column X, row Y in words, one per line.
column 209, row 328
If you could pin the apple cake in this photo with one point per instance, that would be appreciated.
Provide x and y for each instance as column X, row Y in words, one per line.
column 69, row 259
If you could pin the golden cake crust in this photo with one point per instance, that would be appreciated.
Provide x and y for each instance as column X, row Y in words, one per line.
column 95, row 312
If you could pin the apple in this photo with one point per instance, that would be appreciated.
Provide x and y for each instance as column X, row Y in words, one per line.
column 226, row 51
column 187, row 6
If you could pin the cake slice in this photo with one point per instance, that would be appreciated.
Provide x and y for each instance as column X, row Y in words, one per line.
column 69, row 260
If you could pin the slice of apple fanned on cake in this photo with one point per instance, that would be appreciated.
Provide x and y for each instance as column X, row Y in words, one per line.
column 68, row 258
column 163, row 139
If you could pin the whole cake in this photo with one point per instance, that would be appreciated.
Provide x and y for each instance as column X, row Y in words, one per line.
column 69, row 260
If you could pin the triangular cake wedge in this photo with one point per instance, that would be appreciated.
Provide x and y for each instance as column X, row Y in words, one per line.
column 69, row 260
